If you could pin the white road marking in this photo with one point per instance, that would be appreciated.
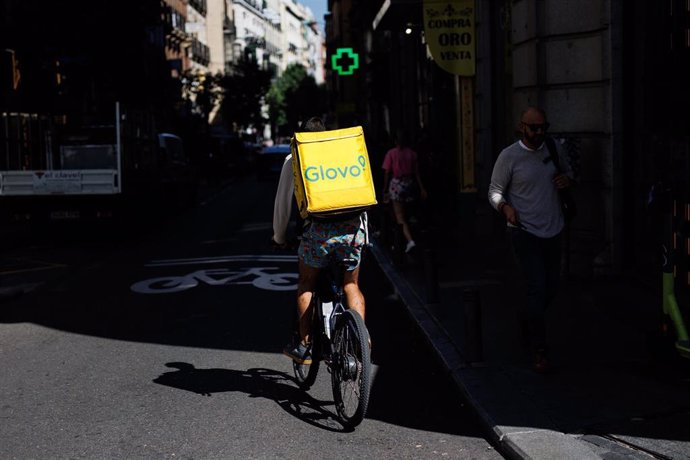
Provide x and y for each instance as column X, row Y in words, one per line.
column 260, row 277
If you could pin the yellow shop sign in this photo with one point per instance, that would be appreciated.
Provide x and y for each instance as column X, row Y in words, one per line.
column 450, row 34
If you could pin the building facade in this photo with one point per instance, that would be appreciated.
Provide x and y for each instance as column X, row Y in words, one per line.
column 174, row 18
column 249, row 40
column 217, row 25
column 272, row 33
column 198, row 54
column 211, row 35
column 275, row 42
column 302, row 41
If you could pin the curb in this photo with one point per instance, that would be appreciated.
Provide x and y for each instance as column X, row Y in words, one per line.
column 484, row 388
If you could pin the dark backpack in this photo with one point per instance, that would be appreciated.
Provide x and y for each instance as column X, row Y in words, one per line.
column 567, row 202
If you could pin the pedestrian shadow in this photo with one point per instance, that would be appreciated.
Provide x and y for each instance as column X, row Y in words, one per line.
column 256, row 383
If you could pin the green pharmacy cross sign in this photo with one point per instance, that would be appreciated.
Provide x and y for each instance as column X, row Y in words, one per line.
column 349, row 61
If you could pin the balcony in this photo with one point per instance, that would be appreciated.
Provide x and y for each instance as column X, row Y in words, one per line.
column 199, row 52
column 173, row 24
column 256, row 5
column 229, row 27
column 199, row 5
column 255, row 42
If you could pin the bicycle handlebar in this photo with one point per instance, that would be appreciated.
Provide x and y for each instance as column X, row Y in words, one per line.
column 290, row 245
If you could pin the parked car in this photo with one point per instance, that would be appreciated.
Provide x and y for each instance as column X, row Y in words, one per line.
column 270, row 160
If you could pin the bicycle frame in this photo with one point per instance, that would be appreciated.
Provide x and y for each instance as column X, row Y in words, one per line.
column 329, row 294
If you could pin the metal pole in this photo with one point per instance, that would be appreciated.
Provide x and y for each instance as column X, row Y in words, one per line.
column 118, row 147
column 30, row 142
column 472, row 312
column 6, row 117
column 459, row 131
column 431, row 276
column 398, row 244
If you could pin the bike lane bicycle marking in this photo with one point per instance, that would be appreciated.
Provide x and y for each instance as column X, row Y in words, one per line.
column 259, row 277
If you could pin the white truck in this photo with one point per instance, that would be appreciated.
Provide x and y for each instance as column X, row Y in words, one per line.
column 91, row 173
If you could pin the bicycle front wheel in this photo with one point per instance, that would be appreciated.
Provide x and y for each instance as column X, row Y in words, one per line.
column 351, row 368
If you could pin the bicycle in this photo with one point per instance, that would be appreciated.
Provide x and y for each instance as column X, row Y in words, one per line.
column 339, row 339
column 673, row 332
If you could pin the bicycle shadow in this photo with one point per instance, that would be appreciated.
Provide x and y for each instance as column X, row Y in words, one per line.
column 256, row 383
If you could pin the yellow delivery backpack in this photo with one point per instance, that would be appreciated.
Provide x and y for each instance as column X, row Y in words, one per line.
column 332, row 172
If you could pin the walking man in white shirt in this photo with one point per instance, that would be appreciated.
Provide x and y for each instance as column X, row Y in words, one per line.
column 524, row 189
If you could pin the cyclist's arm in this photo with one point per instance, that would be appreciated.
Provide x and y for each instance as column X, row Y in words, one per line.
column 282, row 208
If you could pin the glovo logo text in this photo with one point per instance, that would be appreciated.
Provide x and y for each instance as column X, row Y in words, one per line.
column 319, row 173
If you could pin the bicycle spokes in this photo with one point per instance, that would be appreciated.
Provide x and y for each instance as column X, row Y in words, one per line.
column 351, row 371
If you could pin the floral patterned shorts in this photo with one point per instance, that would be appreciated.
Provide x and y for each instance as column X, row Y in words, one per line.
column 326, row 242
column 402, row 189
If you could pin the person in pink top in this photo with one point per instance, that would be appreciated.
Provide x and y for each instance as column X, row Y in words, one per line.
column 401, row 173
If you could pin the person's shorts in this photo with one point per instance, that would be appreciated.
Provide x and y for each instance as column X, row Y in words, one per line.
column 329, row 242
column 402, row 189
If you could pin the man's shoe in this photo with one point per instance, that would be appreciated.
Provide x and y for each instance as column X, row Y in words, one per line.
column 300, row 353
column 410, row 245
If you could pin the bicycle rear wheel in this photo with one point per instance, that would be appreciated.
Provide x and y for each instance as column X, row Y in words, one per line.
column 351, row 368
column 305, row 374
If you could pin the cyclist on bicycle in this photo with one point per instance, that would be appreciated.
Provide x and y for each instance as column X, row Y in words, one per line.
column 323, row 241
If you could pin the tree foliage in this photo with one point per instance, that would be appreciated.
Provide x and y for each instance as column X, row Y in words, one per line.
column 243, row 91
column 294, row 97
column 200, row 91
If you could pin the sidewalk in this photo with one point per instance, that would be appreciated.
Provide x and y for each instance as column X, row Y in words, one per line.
column 605, row 398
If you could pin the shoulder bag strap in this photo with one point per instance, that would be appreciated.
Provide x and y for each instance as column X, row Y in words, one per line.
column 553, row 152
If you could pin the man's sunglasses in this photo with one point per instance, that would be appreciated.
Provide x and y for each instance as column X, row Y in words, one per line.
column 536, row 127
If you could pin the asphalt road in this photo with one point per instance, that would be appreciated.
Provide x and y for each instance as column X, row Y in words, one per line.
column 166, row 343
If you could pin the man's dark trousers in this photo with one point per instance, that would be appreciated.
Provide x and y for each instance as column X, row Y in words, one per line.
column 540, row 261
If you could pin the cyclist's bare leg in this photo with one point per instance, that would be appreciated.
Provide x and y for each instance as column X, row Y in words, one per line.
column 305, row 287
column 400, row 218
column 353, row 295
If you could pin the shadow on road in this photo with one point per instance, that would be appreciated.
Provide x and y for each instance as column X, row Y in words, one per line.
column 256, row 383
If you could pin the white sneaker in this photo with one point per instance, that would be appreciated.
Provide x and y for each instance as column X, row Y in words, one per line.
column 410, row 244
